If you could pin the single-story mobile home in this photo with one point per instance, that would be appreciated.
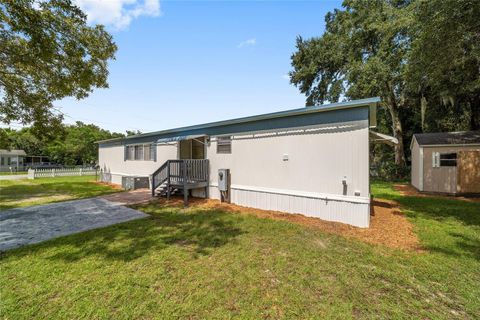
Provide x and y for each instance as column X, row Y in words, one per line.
column 313, row 160
column 12, row 160
column 446, row 162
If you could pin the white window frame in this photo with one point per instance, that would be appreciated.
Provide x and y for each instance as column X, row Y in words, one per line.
column 437, row 159
column 224, row 141
column 453, row 161
column 137, row 152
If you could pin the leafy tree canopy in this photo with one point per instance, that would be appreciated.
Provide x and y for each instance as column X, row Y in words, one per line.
column 73, row 144
column 48, row 52
column 411, row 53
column 361, row 54
column 444, row 63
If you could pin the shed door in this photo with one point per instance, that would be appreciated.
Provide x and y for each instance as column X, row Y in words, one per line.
column 468, row 169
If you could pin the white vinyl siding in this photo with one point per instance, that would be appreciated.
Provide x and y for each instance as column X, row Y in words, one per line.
column 308, row 180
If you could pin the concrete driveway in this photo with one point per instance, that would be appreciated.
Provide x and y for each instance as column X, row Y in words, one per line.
column 23, row 226
column 13, row 177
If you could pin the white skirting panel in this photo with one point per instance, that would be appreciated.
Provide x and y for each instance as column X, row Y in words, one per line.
column 341, row 209
column 116, row 178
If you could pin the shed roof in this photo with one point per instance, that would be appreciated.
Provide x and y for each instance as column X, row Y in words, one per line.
column 12, row 152
column 448, row 138
column 196, row 129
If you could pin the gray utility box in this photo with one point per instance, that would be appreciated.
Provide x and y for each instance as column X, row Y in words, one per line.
column 133, row 183
column 223, row 176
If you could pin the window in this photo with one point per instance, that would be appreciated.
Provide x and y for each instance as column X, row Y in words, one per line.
column 148, row 152
column 444, row 159
column 448, row 159
column 140, row 152
column 130, row 153
column 224, row 144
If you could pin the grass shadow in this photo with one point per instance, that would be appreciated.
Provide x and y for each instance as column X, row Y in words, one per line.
column 464, row 246
column 196, row 231
column 442, row 210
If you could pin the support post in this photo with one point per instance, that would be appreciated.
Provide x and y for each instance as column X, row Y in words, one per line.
column 185, row 191
column 31, row 174
column 153, row 185
column 168, row 180
column 207, row 188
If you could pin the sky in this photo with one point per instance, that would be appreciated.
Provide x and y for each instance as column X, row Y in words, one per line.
column 182, row 63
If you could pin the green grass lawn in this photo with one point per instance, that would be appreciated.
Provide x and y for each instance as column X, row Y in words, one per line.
column 206, row 263
column 24, row 193
column 13, row 173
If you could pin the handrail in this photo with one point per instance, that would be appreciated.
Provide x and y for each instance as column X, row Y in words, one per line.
column 159, row 176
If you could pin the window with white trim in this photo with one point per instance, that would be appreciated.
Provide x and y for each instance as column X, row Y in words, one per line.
column 448, row 159
column 224, row 144
column 140, row 152
column 444, row 159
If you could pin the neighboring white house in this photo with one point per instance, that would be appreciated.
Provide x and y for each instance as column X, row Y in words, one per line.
column 313, row 160
column 12, row 160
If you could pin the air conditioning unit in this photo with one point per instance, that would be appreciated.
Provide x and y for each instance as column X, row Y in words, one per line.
column 133, row 183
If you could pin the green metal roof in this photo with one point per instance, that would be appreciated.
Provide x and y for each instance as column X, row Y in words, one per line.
column 282, row 114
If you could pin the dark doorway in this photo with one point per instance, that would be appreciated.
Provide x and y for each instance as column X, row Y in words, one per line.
column 192, row 148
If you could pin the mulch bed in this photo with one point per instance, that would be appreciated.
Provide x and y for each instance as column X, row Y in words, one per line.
column 113, row 185
column 388, row 225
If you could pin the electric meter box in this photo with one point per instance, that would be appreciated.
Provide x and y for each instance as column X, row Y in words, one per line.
column 223, row 176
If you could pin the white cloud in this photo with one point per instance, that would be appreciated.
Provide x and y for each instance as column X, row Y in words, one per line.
column 118, row 13
column 247, row 43
column 286, row 77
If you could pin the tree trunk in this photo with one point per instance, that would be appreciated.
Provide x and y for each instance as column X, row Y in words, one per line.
column 475, row 113
column 393, row 108
column 398, row 133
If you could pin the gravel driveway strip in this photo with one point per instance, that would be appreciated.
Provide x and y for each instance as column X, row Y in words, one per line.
column 22, row 226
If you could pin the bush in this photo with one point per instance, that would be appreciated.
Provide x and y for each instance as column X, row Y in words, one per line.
column 389, row 171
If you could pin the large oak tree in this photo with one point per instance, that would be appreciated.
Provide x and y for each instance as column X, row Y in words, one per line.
column 422, row 57
column 444, row 63
column 361, row 54
column 48, row 52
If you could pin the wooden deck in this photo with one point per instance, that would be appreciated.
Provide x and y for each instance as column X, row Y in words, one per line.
column 182, row 175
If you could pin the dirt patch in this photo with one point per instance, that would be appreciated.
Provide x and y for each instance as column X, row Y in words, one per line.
column 388, row 225
column 130, row 197
column 38, row 197
column 408, row 190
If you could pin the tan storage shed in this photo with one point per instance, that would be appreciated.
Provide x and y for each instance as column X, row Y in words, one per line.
column 446, row 162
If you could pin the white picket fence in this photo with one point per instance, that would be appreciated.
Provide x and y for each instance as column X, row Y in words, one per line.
column 63, row 172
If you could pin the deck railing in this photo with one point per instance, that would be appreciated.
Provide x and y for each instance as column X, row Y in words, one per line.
column 180, row 173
